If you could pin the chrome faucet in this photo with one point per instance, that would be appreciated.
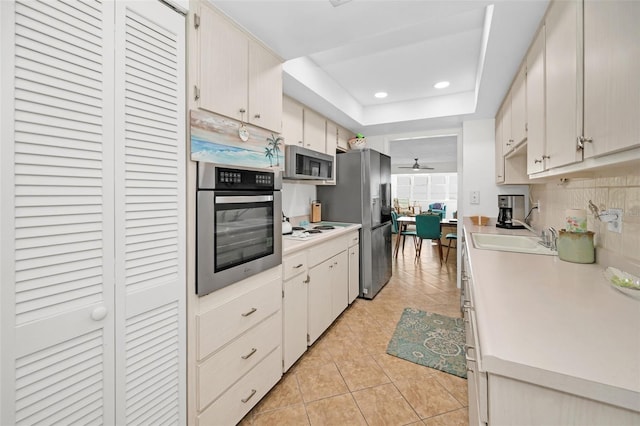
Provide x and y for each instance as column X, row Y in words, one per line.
column 552, row 240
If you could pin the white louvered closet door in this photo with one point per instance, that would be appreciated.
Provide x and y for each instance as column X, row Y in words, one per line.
column 57, row 222
column 150, row 214
column 92, row 214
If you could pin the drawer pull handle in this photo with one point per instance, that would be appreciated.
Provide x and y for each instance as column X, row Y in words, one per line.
column 253, row 392
column 300, row 265
column 247, row 356
column 246, row 314
column 470, row 370
column 468, row 358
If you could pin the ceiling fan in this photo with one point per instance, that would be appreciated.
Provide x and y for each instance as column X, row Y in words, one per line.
column 416, row 166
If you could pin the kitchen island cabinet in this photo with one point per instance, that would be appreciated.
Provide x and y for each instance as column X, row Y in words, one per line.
column 552, row 342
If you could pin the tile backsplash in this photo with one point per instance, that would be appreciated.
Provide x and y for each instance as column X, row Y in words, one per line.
column 612, row 189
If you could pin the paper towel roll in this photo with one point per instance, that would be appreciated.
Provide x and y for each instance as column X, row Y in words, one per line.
column 576, row 220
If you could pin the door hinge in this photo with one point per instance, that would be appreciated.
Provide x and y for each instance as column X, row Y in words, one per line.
column 196, row 90
column 308, row 338
column 581, row 141
column 196, row 21
column 283, row 294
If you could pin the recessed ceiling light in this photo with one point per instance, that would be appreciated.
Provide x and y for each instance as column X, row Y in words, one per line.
column 441, row 84
column 381, row 95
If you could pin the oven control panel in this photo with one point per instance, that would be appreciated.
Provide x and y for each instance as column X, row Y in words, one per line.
column 219, row 177
column 244, row 179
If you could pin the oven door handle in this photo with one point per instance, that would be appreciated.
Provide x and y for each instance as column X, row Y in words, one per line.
column 243, row 199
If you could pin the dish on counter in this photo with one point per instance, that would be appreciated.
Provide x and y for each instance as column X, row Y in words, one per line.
column 623, row 282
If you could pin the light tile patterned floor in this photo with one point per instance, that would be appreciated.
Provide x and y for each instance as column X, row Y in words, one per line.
column 347, row 378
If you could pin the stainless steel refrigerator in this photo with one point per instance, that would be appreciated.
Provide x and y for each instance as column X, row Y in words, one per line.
column 362, row 194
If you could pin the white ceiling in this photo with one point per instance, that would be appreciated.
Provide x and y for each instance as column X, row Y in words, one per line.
column 338, row 57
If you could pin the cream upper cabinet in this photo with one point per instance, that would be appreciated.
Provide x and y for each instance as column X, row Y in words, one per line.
column 314, row 131
column 265, row 88
column 331, row 137
column 292, row 121
column 519, row 108
column 611, row 83
column 507, row 141
column 498, row 145
column 563, row 99
column 343, row 138
column 535, row 105
column 331, row 143
column 224, row 65
column 237, row 77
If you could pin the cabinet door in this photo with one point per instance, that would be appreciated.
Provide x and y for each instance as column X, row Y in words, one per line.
column 265, row 88
column 314, row 131
column 339, row 284
column 519, row 107
column 150, row 232
column 507, row 140
column 224, row 65
column 292, row 117
column 332, row 145
column 294, row 320
column 57, row 272
column 354, row 273
column 535, row 105
column 319, row 300
column 611, row 84
column 343, row 138
column 498, row 149
column 563, row 101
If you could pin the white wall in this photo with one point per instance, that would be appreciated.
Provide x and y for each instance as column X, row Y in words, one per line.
column 478, row 171
column 296, row 199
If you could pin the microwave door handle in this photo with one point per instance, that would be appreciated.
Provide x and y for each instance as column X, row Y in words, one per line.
column 244, row 199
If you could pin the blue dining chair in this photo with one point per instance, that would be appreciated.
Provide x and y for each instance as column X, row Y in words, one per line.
column 450, row 239
column 395, row 229
column 428, row 228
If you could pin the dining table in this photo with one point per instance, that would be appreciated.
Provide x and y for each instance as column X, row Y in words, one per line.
column 405, row 221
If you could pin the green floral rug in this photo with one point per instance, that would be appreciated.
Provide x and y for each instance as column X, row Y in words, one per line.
column 432, row 340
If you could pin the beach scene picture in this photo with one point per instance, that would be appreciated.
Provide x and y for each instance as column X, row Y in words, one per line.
column 216, row 139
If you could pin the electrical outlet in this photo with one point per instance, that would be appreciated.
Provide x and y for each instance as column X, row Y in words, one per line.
column 615, row 223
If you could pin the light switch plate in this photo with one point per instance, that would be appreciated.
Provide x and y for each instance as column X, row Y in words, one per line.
column 475, row 197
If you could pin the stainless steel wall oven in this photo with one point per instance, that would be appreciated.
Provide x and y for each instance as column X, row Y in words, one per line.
column 239, row 224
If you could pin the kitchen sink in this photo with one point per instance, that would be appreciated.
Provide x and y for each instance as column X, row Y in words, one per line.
column 514, row 243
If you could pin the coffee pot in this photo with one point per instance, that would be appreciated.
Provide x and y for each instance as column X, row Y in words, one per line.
column 510, row 207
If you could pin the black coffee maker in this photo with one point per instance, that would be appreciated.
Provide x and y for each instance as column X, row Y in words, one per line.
column 510, row 207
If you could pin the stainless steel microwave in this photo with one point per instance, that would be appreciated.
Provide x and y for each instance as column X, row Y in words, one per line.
column 303, row 163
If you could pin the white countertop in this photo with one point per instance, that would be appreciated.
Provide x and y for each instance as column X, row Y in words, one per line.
column 291, row 246
column 555, row 323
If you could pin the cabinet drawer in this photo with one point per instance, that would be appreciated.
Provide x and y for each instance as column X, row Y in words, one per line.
column 232, row 362
column 241, row 397
column 324, row 251
column 294, row 265
column 354, row 238
column 223, row 323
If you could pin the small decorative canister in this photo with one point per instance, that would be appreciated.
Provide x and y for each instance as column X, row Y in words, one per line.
column 576, row 247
